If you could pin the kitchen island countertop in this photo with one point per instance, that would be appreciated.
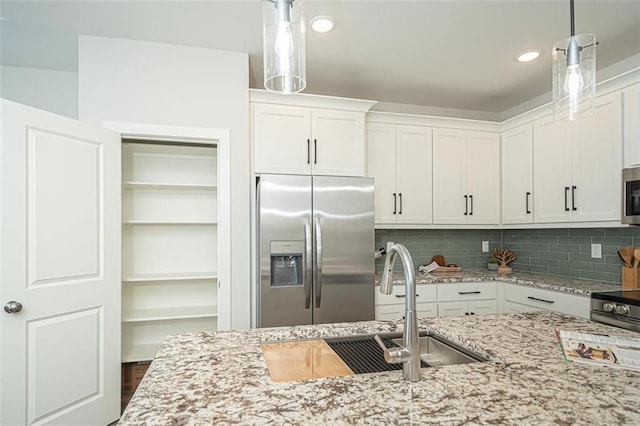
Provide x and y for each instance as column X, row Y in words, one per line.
column 222, row 378
column 548, row 282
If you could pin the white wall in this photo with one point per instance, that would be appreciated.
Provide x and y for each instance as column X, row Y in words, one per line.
column 163, row 84
column 51, row 90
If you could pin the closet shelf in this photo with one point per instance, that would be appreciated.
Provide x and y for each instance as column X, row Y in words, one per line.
column 160, row 185
column 170, row 276
column 169, row 222
column 142, row 352
column 169, row 314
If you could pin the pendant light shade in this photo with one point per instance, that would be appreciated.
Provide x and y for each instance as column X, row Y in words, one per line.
column 283, row 46
column 574, row 75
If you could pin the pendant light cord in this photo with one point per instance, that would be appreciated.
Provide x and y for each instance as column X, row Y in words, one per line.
column 573, row 21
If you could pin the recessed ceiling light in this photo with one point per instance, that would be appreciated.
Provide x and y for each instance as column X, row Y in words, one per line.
column 529, row 55
column 322, row 24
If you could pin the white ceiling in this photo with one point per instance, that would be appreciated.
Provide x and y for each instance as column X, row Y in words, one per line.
column 457, row 54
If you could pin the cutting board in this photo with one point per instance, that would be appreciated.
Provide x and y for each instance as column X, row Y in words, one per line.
column 302, row 360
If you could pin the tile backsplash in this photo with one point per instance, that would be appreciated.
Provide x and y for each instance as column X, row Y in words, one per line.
column 565, row 252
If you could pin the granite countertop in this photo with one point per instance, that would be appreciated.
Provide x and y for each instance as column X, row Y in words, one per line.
column 222, row 378
column 549, row 282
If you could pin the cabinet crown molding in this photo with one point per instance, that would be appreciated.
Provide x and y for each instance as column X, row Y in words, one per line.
column 313, row 101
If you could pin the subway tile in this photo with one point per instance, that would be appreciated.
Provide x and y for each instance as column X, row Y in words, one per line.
column 633, row 232
column 554, row 255
column 604, row 267
column 586, row 232
column 583, row 257
column 522, row 261
column 600, row 276
column 545, row 262
column 554, row 232
column 583, row 266
column 512, row 246
column 575, row 240
column 545, row 239
column 617, row 241
column 538, row 247
column 534, row 269
column 527, row 253
column 516, row 239
column 613, row 260
column 565, row 272
column 566, row 248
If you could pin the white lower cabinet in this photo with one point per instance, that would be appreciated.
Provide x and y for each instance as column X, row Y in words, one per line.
column 474, row 298
column 169, row 244
column 510, row 307
column 479, row 298
column 520, row 298
column 475, row 307
column 392, row 306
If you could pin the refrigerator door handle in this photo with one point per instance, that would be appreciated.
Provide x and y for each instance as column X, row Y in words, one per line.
column 318, row 270
column 307, row 264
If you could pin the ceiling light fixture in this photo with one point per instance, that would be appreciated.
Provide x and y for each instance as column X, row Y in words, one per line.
column 283, row 46
column 322, row 24
column 574, row 74
column 529, row 55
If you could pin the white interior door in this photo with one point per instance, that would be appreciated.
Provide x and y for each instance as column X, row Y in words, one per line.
column 60, row 224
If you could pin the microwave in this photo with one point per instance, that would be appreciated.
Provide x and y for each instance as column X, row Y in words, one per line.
column 631, row 196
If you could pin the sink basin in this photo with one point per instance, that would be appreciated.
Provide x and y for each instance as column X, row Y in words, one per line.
column 436, row 352
column 363, row 355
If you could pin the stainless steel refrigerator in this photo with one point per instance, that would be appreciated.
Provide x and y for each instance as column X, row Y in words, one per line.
column 316, row 249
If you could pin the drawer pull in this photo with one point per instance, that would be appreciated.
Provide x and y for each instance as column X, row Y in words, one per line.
column 540, row 300
column 469, row 292
column 404, row 295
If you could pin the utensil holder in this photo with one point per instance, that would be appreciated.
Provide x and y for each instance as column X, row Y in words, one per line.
column 630, row 277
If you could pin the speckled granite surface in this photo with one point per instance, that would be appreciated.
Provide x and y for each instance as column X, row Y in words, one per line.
column 549, row 282
column 221, row 378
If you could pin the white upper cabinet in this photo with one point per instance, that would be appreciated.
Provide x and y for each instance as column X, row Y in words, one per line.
column 597, row 162
column 466, row 177
column 552, row 170
column 632, row 114
column 309, row 135
column 517, row 175
column 282, row 139
column 577, row 166
column 338, row 145
column 399, row 159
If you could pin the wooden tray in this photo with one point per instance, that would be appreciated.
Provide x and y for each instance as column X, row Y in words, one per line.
column 448, row 269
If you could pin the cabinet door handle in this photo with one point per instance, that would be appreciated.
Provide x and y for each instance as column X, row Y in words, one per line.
column 400, row 211
column 466, row 205
column 527, row 202
column 540, row 300
column 404, row 295
column 308, row 151
column 566, row 196
column 469, row 292
column 315, row 151
column 395, row 209
column 471, row 202
column 573, row 198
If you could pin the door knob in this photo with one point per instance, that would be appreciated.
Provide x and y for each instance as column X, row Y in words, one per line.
column 12, row 307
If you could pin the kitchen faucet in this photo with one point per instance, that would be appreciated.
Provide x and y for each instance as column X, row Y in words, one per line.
column 409, row 355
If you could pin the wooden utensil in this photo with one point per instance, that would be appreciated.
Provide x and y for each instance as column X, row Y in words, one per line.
column 636, row 257
column 626, row 254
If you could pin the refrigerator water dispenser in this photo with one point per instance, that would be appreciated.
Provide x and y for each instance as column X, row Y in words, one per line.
column 286, row 263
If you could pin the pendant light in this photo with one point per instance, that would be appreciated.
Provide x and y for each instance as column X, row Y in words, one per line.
column 283, row 46
column 574, row 74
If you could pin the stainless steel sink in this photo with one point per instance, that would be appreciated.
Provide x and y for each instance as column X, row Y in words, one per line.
column 363, row 355
column 436, row 352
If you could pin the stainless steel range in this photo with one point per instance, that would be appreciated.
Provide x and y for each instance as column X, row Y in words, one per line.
column 618, row 308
